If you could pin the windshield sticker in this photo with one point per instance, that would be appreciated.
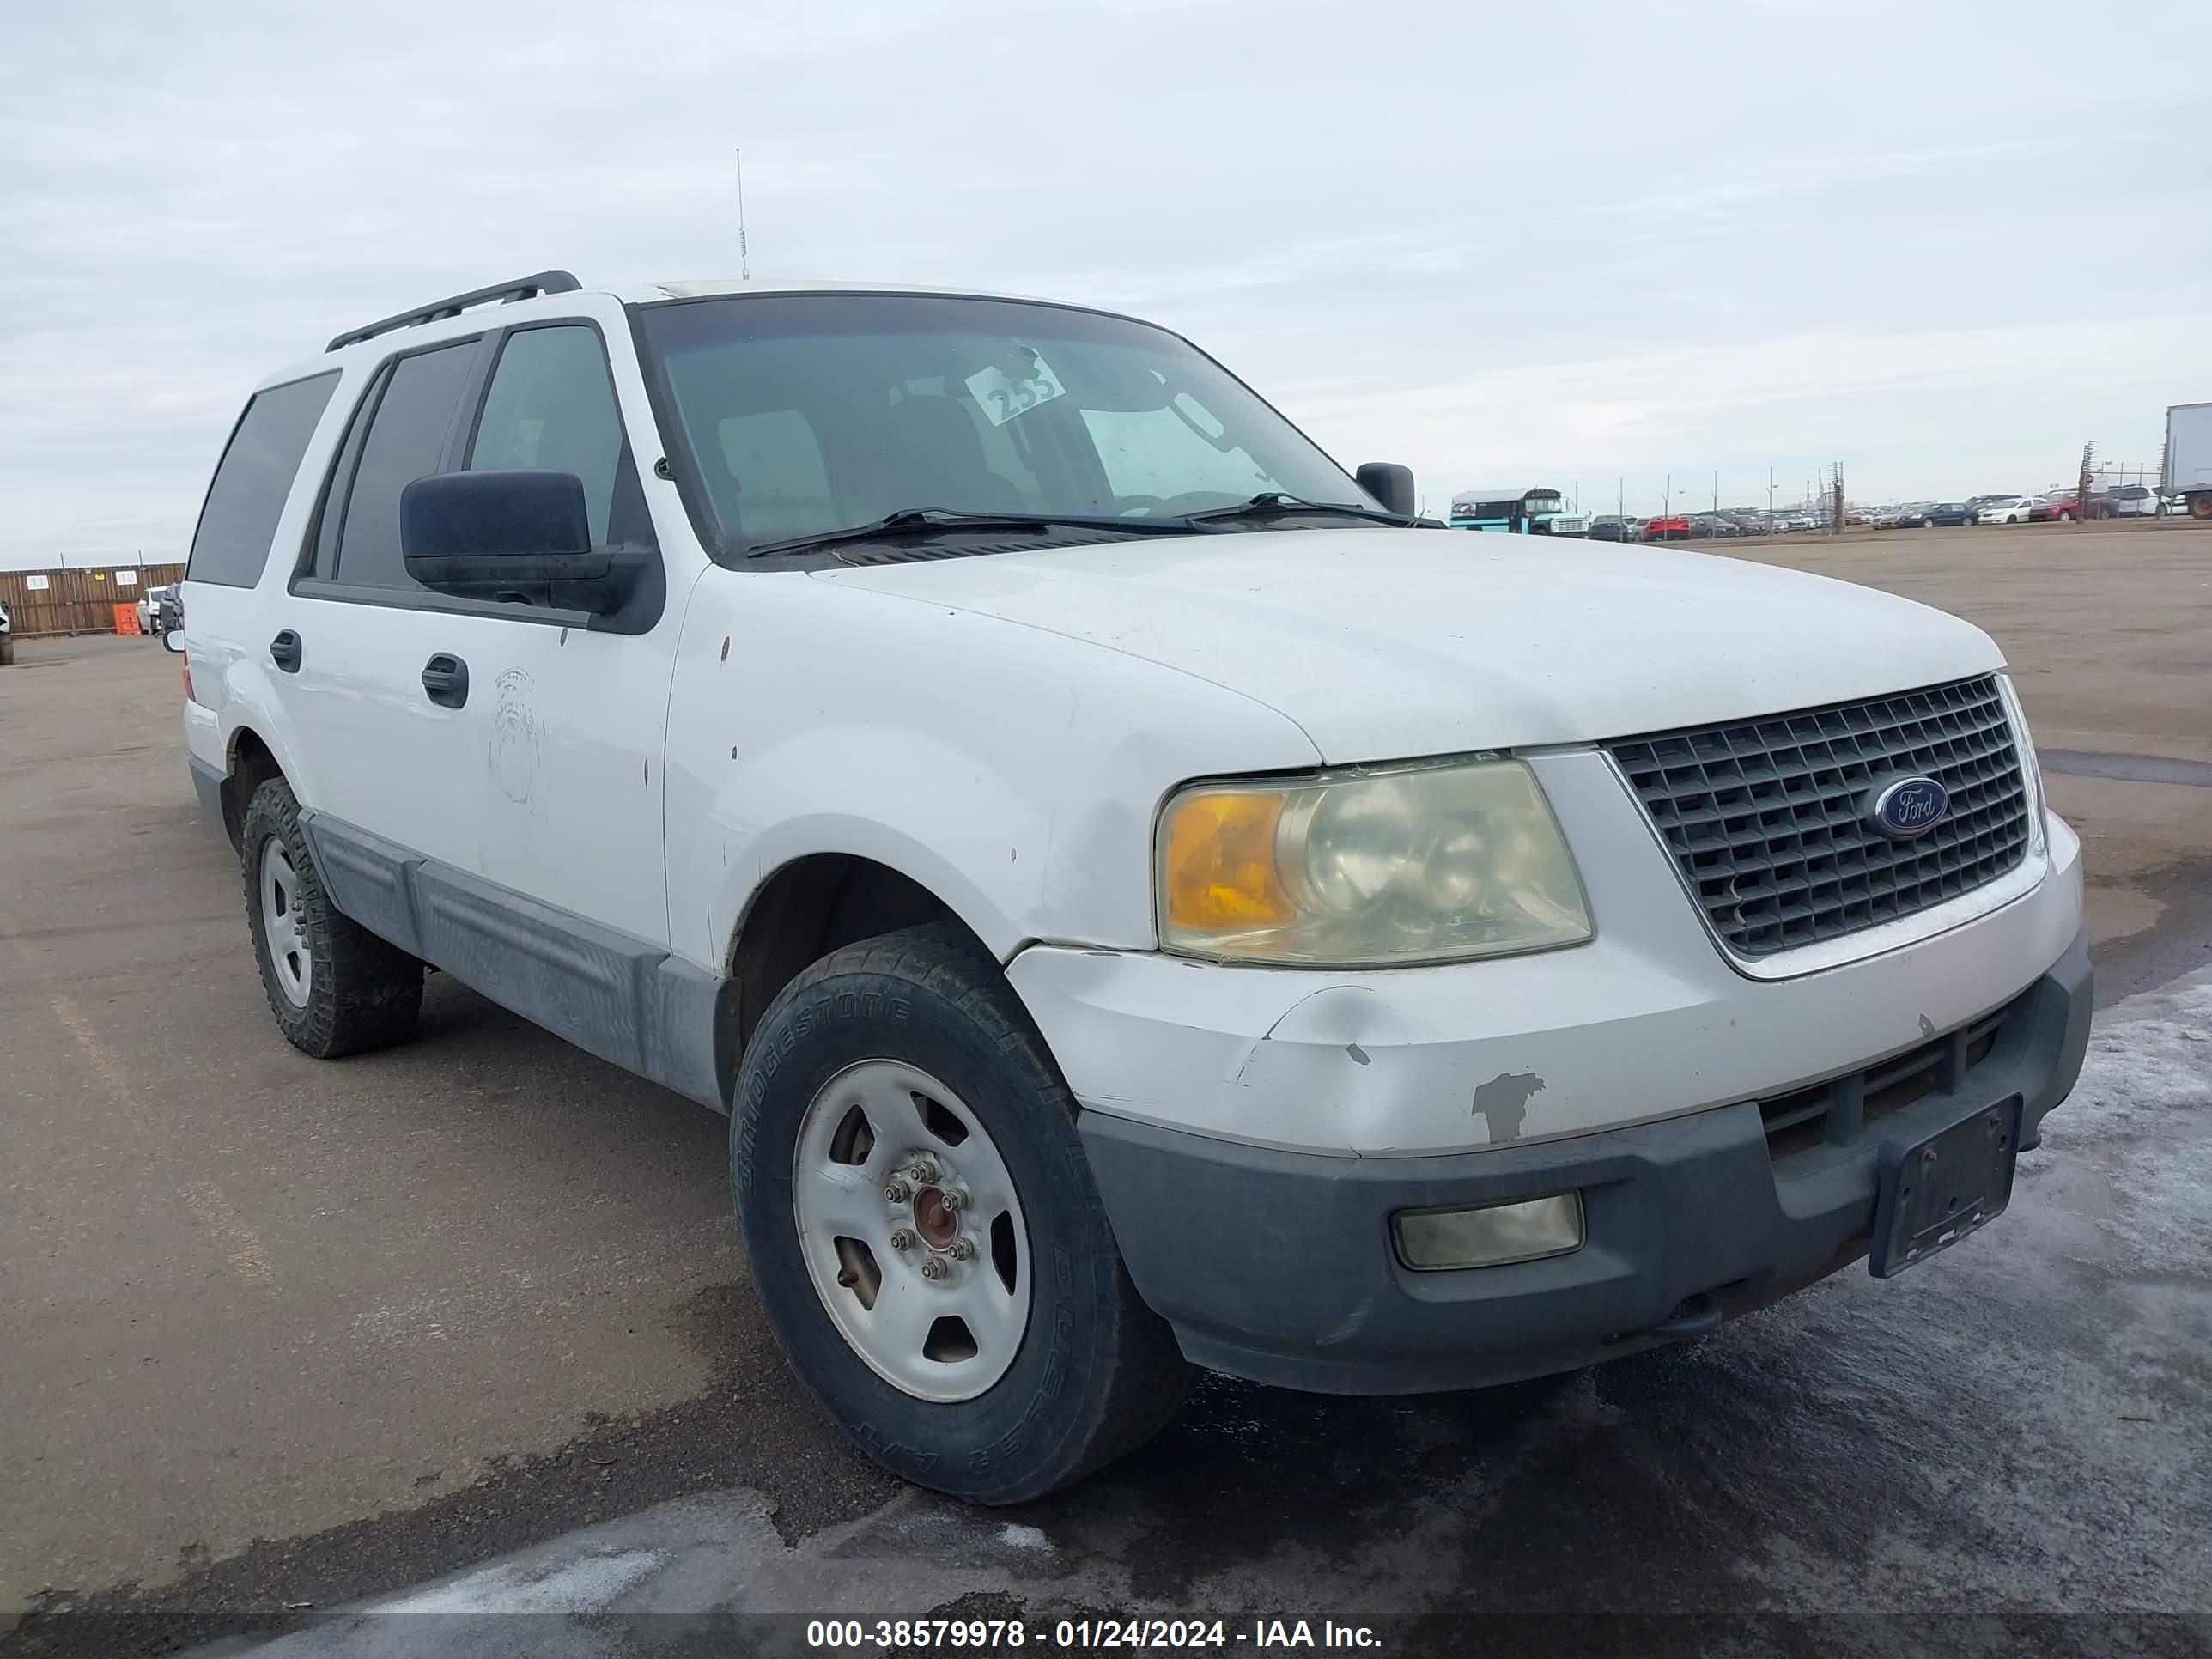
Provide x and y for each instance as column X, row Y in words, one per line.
column 1001, row 396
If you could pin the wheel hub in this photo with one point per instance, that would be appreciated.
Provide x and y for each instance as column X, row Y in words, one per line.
column 937, row 1222
column 911, row 1230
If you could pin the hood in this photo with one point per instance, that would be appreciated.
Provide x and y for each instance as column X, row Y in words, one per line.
column 1386, row 644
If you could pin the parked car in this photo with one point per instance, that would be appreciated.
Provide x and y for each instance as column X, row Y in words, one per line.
column 1116, row 959
column 1913, row 517
column 157, row 609
column 1948, row 514
column 1665, row 528
column 2005, row 509
column 2131, row 501
column 1751, row 523
column 6, row 636
column 2055, row 507
column 1713, row 526
column 1610, row 527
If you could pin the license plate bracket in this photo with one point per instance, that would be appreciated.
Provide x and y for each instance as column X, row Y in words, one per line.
column 1934, row 1192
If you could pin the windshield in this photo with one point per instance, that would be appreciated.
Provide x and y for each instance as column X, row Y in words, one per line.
column 802, row 414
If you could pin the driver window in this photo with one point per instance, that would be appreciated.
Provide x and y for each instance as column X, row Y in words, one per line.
column 550, row 404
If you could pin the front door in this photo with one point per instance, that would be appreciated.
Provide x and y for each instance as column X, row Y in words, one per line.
column 489, row 738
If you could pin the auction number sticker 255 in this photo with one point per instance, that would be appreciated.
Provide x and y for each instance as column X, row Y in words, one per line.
column 1001, row 396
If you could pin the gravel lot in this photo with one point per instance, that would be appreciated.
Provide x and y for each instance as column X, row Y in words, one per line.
column 281, row 1333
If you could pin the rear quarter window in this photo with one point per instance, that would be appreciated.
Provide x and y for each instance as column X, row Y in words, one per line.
column 253, row 480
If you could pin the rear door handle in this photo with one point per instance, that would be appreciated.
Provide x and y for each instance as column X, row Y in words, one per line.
column 446, row 677
column 284, row 651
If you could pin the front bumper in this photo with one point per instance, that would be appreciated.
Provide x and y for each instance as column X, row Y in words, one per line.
column 1280, row 1267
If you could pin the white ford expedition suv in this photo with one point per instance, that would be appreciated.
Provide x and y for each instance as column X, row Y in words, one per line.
column 1144, row 899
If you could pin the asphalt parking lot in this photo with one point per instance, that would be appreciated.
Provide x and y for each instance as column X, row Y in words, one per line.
column 283, row 1337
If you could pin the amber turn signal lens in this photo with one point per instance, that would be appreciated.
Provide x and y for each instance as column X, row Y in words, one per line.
column 1220, row 859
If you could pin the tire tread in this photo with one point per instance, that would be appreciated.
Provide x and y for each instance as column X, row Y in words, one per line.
column 367, row 993
column 1139, row 1378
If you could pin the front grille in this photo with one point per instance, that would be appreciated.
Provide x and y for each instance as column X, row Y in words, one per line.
column 1766, row 817
column 1834, row 1112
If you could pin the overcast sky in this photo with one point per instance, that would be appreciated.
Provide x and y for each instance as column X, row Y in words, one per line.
column 1943, row 244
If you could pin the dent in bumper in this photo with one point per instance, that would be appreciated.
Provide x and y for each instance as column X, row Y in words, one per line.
column 1645, row 1022
column 1279, row 1265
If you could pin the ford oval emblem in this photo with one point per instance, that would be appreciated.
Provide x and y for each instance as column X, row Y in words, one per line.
column 1905, row 807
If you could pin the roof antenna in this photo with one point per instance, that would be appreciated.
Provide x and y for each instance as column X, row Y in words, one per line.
column 744, row 258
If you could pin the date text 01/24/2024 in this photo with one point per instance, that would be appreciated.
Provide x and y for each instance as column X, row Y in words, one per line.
column 1087, row 1633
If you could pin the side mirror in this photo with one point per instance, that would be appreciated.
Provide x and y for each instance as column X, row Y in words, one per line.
column 1390, row 485
column 522, row 536
column 173, row 640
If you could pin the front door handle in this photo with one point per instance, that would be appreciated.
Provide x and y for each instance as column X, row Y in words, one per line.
column 446, row 677
column 284, row 651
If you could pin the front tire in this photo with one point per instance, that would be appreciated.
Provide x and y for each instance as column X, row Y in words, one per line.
column 335, row 988
column 992, row 1348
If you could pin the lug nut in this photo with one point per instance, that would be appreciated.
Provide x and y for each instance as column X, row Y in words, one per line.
column 963, row 1250
column 902, row 1238
column 953, row 1199
column 897, row 1191
column 933, row 1267
column 923, row 1170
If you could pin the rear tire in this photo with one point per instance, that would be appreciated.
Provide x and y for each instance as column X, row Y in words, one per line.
column 1094, row 1373
column 335, row 988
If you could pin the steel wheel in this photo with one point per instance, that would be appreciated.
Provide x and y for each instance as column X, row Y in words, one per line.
column 279, row 885
column 911, row 1230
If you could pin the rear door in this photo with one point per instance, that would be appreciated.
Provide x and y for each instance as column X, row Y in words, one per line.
column 529, row 756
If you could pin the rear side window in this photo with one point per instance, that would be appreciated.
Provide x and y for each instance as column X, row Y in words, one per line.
column 551, row 405
column 252, row 481
column 406, row 441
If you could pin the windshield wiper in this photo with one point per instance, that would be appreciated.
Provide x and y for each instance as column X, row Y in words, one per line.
column 933, row 521
column 1273, row 503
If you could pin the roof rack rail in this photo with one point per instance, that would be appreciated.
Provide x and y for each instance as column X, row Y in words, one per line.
column 523, row 287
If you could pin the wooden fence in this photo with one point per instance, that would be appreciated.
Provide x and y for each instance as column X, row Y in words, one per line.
column 78, row 600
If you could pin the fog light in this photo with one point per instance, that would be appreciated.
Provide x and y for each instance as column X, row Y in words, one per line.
column 1489, row 1237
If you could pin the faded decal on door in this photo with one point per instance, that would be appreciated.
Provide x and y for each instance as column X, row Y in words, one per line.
column 514, row 752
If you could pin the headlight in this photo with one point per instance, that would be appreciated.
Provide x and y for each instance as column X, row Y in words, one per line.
column 1433, row 863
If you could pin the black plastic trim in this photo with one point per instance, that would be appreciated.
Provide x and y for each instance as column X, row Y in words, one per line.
column 207, row 787
column 521, row 288
column 612, row 994
column 401, row 599
column 1279, row 1266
